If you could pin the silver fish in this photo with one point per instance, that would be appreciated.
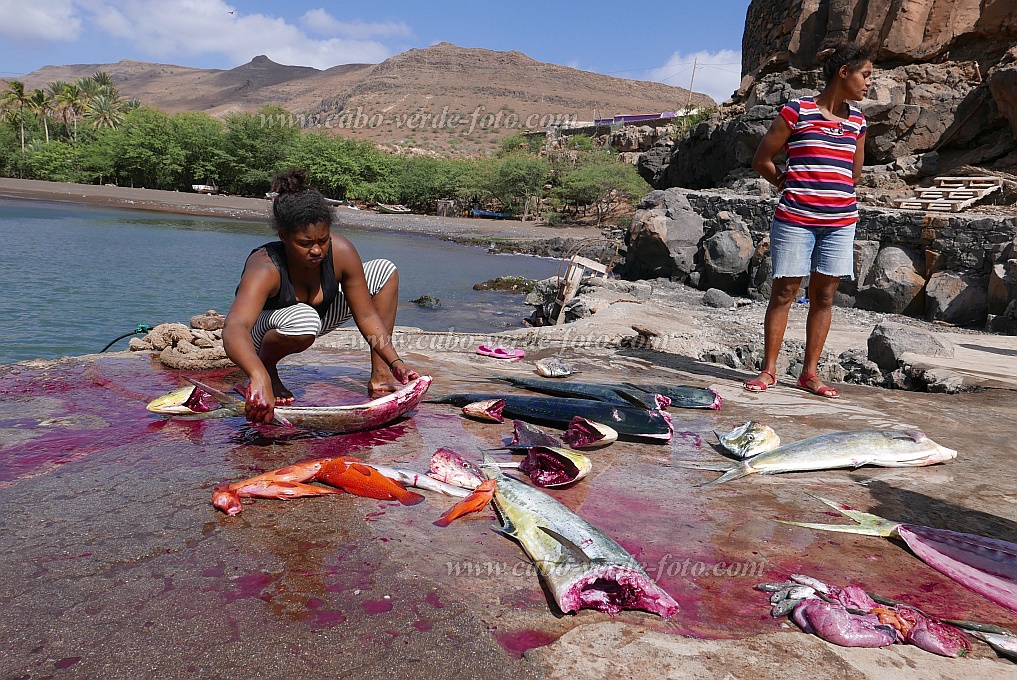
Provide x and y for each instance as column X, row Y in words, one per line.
column 449, row 467
column 581, row 566
column 553, row 367
column 885, row 448
column 1003, row 644
column 355, row 418
column 749, row 439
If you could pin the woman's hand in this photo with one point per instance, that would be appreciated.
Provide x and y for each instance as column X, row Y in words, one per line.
column 259, row 402
column 403, row 372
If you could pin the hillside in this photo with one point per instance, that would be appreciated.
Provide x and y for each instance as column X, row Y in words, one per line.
column 402, row 99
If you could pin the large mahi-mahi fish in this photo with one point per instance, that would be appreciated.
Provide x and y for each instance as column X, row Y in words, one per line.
column 338, row 419
column 582, row 566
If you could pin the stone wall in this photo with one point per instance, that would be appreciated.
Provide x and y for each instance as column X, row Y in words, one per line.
column 957, row 268
column 961, row 242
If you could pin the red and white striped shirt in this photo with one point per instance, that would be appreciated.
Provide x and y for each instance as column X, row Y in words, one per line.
column 819, row 189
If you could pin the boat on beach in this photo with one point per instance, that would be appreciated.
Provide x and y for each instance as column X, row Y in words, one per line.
column 490, row 214
column 393, row 209
column 205, row 188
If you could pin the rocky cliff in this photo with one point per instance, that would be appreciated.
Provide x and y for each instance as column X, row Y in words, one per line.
column 943, row 92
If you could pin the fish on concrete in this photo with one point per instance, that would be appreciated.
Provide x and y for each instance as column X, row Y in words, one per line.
column 549, row 466
column 612, row 394
column 683, row 396
column 553, row 367
column 884, row 448
column 582, row 566
column 526, row 436
column 585, row 434
column 475, row 502
column 449, row 467
column 339, row 419
column 749, row 439
column 559, row 411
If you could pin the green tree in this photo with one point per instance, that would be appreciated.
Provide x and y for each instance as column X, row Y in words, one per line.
column 259, row 145
column 103, row 111
column 516, row 178
column 55, row 161
column 16, row 100
column 422, row 181
column 600, row 182
column 71, row 102
column 42, row 106
column 202, row 142
column 145, row 151
column 345, row 168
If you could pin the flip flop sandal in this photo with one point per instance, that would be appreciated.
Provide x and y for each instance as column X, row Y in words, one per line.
column 822, row 391
column 500, row 352
column 759, row 385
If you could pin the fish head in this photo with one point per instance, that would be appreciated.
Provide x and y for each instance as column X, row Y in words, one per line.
column 912, row 448
column 553, row 367
column 226, row 499
column 488, row 410
column 583, row 433
column 450, row 467
column 184, row 401
column 551, row 467
column 750, row 439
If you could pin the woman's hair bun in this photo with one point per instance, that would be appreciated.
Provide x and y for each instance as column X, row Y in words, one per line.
column 292, row 182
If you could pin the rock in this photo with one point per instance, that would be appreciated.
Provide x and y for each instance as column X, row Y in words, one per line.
column 893, row 285
column 138, row 345
column 167, row 334
column 1002, row 289
column 726, row 258
column 427, row 302
column 1006, row 322
column 1003, row 87
column 662, row 237
column 941, row 380
column 715, row 297
column 195, row 359
column 760, row 269
column 640, row 290
column 209, row 321
column 859, row 369
column 958, row 299
column 652, row 164
column 865, row 253
column 889, row 341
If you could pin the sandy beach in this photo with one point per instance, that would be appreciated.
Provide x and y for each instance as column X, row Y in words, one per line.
column 458, row 229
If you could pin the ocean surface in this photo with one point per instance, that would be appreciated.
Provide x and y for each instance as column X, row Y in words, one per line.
column 73, row 278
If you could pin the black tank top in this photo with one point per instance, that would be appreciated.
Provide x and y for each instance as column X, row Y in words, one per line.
column 287, row 297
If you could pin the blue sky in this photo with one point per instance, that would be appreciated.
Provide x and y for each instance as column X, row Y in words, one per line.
column 646, row 41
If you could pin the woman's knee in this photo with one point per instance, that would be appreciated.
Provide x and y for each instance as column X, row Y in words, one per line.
column 784, row 290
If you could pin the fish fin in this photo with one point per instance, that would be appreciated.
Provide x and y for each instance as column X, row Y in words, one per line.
column 221, row 397
column 507, row 528
column 576, row 551
column 362, row 469
column 868, row 525
column 735, row 472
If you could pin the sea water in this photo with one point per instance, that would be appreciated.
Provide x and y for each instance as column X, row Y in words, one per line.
column 73, row 278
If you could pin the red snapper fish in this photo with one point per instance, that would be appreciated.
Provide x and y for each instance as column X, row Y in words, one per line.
column 477, row 500
column 352, row 475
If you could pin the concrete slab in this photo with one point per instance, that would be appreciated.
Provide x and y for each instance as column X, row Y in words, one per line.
column 114, row 563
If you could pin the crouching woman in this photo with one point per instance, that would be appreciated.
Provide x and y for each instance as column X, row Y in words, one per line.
column 303, row 286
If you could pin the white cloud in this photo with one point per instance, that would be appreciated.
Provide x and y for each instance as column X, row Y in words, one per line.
column 718, row 74
column 29, row 23
column 319, row 21
column 170, row 28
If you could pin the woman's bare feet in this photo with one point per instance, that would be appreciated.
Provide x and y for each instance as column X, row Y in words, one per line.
column 382, row 382
column 283, row 397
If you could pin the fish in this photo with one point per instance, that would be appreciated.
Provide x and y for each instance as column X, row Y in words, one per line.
column 832, row 622
column 612, row 394
column 750, row 439
column 363, row 480
column 584, row 434
column 988, row 566
column 339, row 419
column 289, row 482
column 885, row 448
column 451, row 468
column 525, row 436
column 587, row 569
column 682, row 396
column 488, row 410
column 553, row 367
column 477, row 500
column 553, row 467
column 626, row 420
column 1003, row 644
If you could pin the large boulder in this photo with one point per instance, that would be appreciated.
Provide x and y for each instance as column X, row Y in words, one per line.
column 726, row 257
column 663, row 237
column 889, row 341
column 893, row 284
column 1003, row 88
column 865, row 253
column 1002, row 286
column 959, row 299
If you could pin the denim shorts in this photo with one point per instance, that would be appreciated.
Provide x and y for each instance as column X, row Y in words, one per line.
column 797, row 251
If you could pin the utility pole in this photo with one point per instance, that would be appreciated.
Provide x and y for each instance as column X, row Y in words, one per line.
column 688, row 104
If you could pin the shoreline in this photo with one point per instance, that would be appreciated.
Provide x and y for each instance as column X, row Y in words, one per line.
column 505, row 235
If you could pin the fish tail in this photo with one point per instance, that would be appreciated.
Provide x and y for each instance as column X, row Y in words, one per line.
column 713, row 467
column 407, row 497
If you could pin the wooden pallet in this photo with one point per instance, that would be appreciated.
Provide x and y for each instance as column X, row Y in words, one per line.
column 952, row 194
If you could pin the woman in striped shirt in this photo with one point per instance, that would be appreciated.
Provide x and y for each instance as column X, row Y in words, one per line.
column 814, row 224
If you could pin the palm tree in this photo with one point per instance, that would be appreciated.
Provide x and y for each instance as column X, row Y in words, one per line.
column 42, row 106
column 16, row 98
column 72, row 102
column 104, row 112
